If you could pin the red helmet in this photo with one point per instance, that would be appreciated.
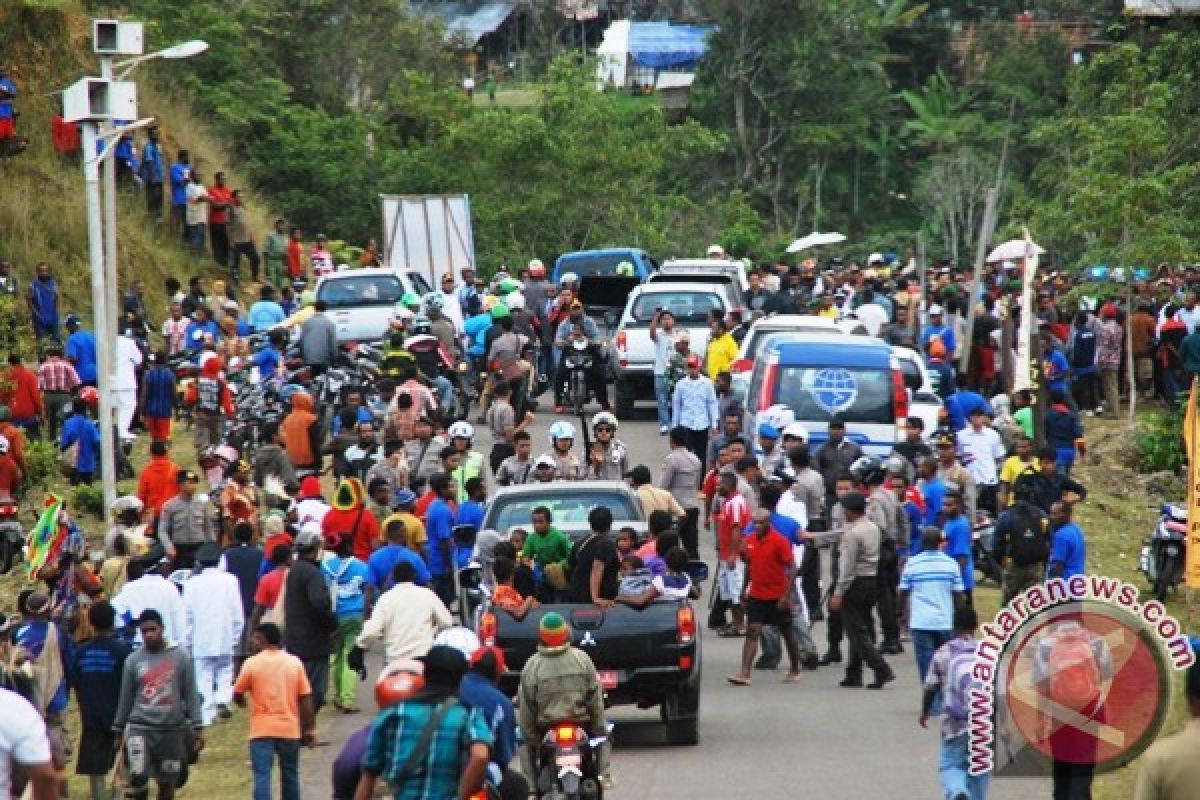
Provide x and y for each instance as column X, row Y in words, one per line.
column 399, row 681
column 90, row 395
column 537, row 269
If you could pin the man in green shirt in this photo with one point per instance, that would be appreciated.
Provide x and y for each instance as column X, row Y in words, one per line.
column 274, row 253
column 546, row 544
column 1024, row 411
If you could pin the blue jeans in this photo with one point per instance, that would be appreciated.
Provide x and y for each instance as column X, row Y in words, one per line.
column 663, row 398
column 445, row 393
column 262, row 757
column 924, row 644
column 952, row 769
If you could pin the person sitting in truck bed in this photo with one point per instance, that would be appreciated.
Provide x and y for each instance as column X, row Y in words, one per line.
column 505, row 595
column 676, row 584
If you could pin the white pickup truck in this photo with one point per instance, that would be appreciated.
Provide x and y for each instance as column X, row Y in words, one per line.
column 633, row 363
column 361, row 301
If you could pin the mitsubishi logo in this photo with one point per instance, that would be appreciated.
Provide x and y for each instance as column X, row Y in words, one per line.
column 588, row 640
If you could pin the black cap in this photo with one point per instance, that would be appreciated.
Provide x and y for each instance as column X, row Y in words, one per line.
column 444, row 665
column 854, row 501
column 208, row 554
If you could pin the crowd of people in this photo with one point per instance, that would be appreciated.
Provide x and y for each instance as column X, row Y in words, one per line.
column 264, row 577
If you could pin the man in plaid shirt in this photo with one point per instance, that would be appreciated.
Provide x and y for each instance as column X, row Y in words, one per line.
column 455, row 763
column 57, row 379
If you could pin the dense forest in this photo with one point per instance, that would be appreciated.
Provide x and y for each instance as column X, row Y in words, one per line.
column 876, row 118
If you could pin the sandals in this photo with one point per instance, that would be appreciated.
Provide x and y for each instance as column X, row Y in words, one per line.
column 731, row 632
column 737, row 680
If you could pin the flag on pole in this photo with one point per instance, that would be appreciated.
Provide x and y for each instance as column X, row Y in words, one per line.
column 46, row 539
column 1191, row 440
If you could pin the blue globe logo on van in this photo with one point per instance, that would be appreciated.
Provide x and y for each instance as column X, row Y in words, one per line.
column 834, row 389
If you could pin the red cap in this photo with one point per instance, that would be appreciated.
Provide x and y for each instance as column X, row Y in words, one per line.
column 310, row 486
column 1108, row 311
column 496, row 653
column 693, row 362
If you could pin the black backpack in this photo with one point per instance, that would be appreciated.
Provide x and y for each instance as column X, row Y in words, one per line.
column 1029, row 539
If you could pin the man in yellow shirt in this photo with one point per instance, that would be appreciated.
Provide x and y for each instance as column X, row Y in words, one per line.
column 826, row 308
column 403, row 503
column 722, row 350
column 1021, row 461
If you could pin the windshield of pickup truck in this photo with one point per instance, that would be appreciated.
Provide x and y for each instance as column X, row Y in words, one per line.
column 857, row 395
column 594, row 265
column 688, row 308
column 569, row 509
column 361, row 290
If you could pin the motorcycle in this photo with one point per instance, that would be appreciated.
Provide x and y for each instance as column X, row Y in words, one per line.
column 567, row 764
column 1162, row 557
column 578, row 359
column 983, row 547
column 11, row 536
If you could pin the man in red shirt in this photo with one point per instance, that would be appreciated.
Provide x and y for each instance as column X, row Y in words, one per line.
column 22, row 395
column 294, row 255
column 220, row 198
column 10, row 473
column 732, row 515
column 771, row 569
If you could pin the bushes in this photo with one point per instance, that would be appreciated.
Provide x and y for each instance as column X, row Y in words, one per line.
column 1160, row 443
column 41, row 463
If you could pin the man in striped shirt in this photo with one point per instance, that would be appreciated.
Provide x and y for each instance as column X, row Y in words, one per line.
column 931, row 585
column 57, row 379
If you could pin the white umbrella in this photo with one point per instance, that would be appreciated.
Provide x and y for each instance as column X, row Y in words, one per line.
column 815, row 239
column 1012, row 250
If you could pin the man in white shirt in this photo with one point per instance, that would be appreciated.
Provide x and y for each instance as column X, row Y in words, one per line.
column 215, row 620
column 872, row 315
column 24, row 749
column 982, row 451
column 662, row 333
column 406, row 619
column 129, row 358
column 1190, row 313
column 196, row 213
column 146, row 588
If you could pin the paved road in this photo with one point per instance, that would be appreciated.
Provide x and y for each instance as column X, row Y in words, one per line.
column 768, row 740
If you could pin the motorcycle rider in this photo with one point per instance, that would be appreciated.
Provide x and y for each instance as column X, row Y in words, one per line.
column 559, row 683
column 433, row 361
column 1021, row 543
column 471, row 463
column 567, row 466
column 579, row 326
column 442, row 326
column 616, row 455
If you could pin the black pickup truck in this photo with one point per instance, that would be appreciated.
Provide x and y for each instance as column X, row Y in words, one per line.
column 646, row 657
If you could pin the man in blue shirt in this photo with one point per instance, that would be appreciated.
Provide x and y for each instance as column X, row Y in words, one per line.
column 52, row 651
column 266, row 313
column 470, row 511
column 200, row 327
column 1055, row 366
column 957, row 532
column 81, row 350
column 152, row 171
column 933, row 490
column 181, row 170
column 96, row 676
column 42, row 297
column 694, row 408
column 936, row 327
column 384, row 560
column 963, row 402
column 478, row 691
column 267, row 360
column 929, row 587
column 1068, row 550
column 439, row 530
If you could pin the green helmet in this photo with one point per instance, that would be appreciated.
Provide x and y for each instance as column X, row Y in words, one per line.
column 625, row 269
column 499, row 310
column 410, row 300
column 507, row 286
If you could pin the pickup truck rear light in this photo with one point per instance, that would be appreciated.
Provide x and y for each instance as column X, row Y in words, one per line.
column 685, row 662
column 487, row 628
column 741, row 365
column 770, row 379
column 622, row 341
column 899, row 396
column 685, row 624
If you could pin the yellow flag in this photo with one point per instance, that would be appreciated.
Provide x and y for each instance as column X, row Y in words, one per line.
column 1190, row 422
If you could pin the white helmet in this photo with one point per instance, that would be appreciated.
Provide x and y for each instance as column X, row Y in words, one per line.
column 778, row 416
column 561, row 430
column 514, row 301
column 568, row 277
column 604, row 418
column 461, row 430
column 796, row 430
column 461, row 639
column 715, row 251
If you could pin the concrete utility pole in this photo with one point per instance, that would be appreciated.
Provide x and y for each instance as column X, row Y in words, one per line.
column 986, row 229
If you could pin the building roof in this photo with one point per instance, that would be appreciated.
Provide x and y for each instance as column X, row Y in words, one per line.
column 469, row 20
column 663, row 45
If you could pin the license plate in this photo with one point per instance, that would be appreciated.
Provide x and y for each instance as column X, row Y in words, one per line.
column 608, row 678
column 568, row 760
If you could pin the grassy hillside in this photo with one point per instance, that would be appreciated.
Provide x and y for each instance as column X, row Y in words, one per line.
column 46, row 44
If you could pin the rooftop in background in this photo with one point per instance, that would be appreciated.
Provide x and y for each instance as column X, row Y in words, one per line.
column 469, row 20
column 1162, row 8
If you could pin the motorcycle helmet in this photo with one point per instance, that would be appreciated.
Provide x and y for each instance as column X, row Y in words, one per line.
column 625, row 269
column 399, row 680
column 461, row 430
column 896, row 465
column 434, row 301
column 514, row 301
column 779, row 416
column 507, row 286
column 604, row 418
column 561, row 430
column 1026, row 485
column 410, row 300
column 867, row 470
column 796, row 430
column 568, row 278
column 421, row 324
column 715, row 251
column 536, row 268
column 501, row 276
column 90, row 396
column 461, row 639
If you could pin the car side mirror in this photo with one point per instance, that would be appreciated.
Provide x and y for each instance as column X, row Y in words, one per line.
column 697, row 571
column 464, row 535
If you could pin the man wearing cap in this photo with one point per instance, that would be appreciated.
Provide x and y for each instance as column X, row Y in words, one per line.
column 215, row 621
column 186, row 521
column 578, row 325
column 694, row 407
column 456, row 761
column 855, row 591
column 936, row 328
column 310, row 506
column 310, row 621
column 544, row 468
column 478, row 690
column 51, row 651
column 835, row 456
column 558, row 682
column 158, row 714
column 768, row 452
column 953, row 475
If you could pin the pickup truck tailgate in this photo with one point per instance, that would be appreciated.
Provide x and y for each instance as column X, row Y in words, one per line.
column 639, row 350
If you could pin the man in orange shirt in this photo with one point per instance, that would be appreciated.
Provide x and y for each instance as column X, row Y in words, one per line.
column 157, row 483
column 22, row 395
column 220, row 198
column 281, row 711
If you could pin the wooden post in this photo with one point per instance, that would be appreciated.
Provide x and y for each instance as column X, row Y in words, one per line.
column 1130, row 361
column 986, row 227
column 923, row 276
